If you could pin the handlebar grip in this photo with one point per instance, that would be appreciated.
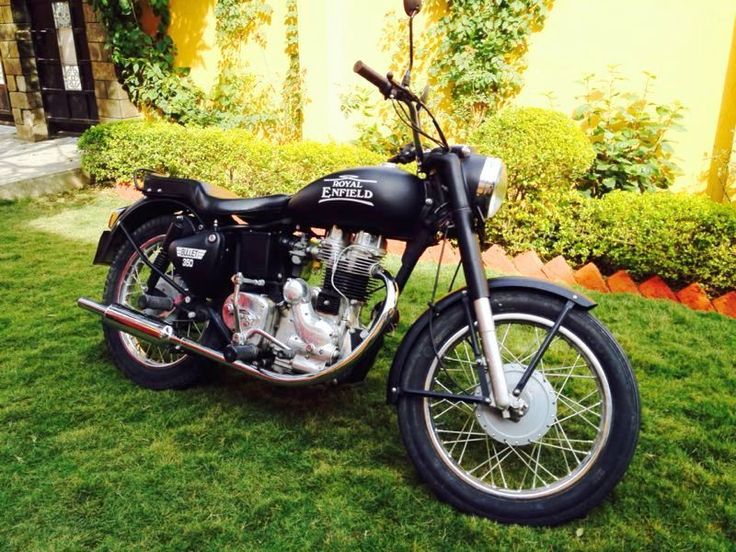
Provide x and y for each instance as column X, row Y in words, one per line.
column 375, row 78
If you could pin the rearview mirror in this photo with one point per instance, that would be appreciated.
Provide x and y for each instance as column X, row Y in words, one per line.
column 412, row 7
column 425, row 95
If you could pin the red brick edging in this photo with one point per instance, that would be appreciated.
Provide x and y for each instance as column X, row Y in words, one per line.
column 589, row 276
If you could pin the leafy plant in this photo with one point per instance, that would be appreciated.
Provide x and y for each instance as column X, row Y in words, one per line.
column 237, row 22
column 379, row 129
column 237, row 100
column 480, row 51
column 629, row 134
column 543, row 149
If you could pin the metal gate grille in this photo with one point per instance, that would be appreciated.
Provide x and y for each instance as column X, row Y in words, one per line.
column 64, row 67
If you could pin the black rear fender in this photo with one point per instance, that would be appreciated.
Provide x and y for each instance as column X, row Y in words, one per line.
column 134, row 216
column 506, row 283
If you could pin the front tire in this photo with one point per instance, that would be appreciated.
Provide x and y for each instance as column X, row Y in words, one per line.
column 563, row 456
column 149, row 365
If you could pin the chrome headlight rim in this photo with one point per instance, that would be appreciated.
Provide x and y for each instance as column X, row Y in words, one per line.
column 492, row 184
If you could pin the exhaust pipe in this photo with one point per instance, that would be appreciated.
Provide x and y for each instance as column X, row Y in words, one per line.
column 129, row 321
column 154, row 330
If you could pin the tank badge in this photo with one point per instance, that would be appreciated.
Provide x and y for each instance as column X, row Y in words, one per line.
column 347, row 187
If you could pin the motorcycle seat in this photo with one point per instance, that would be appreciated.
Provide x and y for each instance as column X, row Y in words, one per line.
column 213, row 200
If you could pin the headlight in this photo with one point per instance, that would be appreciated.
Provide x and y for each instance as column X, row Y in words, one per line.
column 493, row 182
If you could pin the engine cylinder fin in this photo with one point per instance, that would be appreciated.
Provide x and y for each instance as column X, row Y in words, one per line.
column 349, row 266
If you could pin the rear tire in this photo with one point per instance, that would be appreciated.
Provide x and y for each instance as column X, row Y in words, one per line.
column 587, row 416
column 150, row 366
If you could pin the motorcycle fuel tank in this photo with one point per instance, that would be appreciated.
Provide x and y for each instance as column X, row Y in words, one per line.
column 381, row 200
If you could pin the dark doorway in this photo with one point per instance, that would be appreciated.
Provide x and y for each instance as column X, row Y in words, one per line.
column 64, row 68
column 5, row 113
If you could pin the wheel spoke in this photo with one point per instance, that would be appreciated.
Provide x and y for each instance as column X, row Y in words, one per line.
column 521, row 453
column 574, row 451
column 457, row 405
column 580, row 414
column 467, row 421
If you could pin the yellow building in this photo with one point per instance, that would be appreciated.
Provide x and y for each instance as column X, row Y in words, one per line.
column 690, row 46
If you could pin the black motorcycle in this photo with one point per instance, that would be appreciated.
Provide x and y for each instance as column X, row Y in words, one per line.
column 513, row 401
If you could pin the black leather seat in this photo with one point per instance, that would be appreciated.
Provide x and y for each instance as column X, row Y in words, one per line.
column 215, row 200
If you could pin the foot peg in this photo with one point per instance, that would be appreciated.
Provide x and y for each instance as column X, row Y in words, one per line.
column 155, row 302
column 246, row 353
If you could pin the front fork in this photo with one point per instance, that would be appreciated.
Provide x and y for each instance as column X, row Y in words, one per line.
column 449, row 169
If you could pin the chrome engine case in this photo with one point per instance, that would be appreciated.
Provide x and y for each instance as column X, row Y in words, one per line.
column 315, row 339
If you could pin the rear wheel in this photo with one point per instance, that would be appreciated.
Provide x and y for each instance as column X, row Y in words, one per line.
column 147, row 364
column 563, row 456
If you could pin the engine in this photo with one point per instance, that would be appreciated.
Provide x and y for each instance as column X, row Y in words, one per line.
column 315, row 325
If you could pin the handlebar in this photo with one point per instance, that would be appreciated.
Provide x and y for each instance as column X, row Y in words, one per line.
column 375, row 78
column 398, row 92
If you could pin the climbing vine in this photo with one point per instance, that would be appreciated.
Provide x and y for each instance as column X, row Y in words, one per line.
column 146, row 63
column 292, row 95
column 472, row 53
column 146, row 67
column 236, row 96
column 237, row 23
column 480, row 50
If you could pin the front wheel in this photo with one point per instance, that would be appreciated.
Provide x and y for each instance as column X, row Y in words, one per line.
column 557, row 461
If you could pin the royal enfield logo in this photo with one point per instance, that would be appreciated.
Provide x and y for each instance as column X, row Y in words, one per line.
column 347, row 187
column 190, row 253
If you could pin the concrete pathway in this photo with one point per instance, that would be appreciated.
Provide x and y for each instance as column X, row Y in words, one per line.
column 29, row 169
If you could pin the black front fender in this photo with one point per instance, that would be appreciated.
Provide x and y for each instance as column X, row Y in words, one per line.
column 133, row 216
column 505, row 283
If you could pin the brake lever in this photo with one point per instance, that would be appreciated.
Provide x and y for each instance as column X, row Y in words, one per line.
column 400, row 92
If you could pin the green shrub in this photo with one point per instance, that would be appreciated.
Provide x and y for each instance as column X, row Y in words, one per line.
column 557, row 222
column 628, row 133
column 543, row 149
column 230, row 158
column 683, row 238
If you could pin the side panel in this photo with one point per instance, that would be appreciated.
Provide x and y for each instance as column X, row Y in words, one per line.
column 381, row 200
column 494, row 284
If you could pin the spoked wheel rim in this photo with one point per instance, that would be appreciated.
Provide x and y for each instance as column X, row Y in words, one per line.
column 130, row 286
column 560, row 446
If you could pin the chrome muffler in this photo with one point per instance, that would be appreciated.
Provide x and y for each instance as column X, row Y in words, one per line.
column 151, row 329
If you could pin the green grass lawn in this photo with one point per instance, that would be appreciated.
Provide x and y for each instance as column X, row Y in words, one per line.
column 88, row 460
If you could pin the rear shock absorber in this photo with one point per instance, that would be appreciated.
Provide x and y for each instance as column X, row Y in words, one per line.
column 161, row 262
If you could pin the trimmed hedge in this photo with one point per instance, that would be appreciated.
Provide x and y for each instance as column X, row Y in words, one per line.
column 231, row 158
column 681, row 237
column 543, row 149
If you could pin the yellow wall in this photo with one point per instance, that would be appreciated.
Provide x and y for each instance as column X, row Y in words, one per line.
column 192, row 29
column 333, row 35
column 686, row 43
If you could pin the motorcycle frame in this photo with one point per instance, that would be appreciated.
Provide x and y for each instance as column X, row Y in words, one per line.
column 449, row 203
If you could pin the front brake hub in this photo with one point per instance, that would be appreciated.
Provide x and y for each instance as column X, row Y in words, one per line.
column 541, row 399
